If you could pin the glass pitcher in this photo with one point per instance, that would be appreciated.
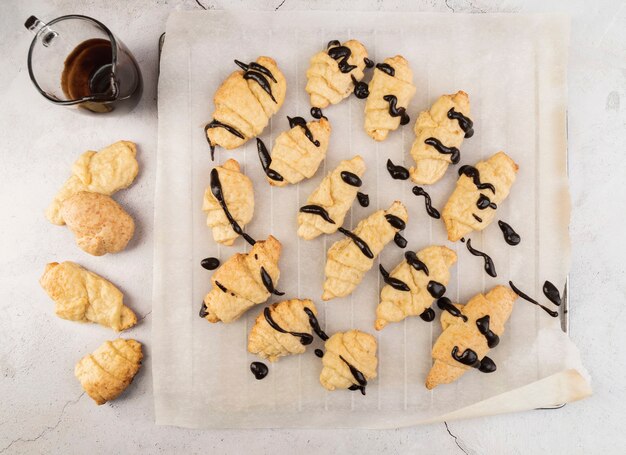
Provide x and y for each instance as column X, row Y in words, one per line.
column 76, row 61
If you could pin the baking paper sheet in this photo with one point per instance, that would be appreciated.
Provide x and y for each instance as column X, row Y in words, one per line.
column 514, row 69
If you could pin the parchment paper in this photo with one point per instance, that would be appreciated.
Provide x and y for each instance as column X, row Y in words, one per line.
column 514, row 69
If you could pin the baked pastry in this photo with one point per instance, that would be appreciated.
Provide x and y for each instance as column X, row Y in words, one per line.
column 333, row 73
column 414, row 284
column 479, row 189
column 467, row 338
column 81, row 295
column 439, row 134
column 391, row 90
column 107, row 372
column 99, row 223
column 243, row 281
column 349, row 361
column 245, row 102
column 238, row 196
column 282, row 329
column 349, row 259
column 107, row 171
column 298, row 152
column 327, row 206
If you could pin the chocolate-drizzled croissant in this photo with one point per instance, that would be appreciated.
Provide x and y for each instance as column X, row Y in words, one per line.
column 243, row 281
column 327, row 206
column 467, row 338
column 439, row 134
column 414, row 284
column 479, row 190
column 245, row 102
column 332, row 73
column 391, row 90
column 349, row 259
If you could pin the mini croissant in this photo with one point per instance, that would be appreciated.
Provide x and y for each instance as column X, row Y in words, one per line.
column 282, row 329
column 110, row 369
column 245, row 102
column 111, row 169
column 298, row 152
column 416, row 282
column 466, row 339
column 439, row 134
column 331, row 200
column 332, row 73
column 81, row 295
column 349, row 361
column 479, row 189
column 243, row 281
column 349, row 259
column 238, row 195
column 391, row 90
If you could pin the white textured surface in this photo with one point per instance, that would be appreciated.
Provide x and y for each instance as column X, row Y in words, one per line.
column 41, row 405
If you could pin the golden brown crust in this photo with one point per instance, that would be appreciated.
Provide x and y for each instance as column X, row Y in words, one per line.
column 110, row 369
column 395, row 305
column 269, row 343
column 335, row 196
column 378, row 121
column 241, row 278
column 99, row 223
column 500, row 171
column 111, row 169
column 358, row 349
column 81, row 295
column 239, row 196
column 498, row 304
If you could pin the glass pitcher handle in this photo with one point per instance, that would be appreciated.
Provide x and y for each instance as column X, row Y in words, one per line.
column 37, row 26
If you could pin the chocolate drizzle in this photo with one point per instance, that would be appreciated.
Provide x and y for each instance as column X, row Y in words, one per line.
column 395, row 221
column 483, row 327
column 490, row 268
column 395, row 111
column 268, row 283
column 361, row 89
column 359, row 242
column 363, row 198
column 472, row 172
column 455, row 154
column 351, row 178
column 386, row 68
column 399, row 240
column 299, row 121
column 358, row 376
column 414, row 261
column 554, row 314
column 203, row 311
column 368, row 63
column 221, row 286
column 393, row 282
column 305, row 338
column 217, row 124
column 467, row 357
column 552, row 293
column 317, row 113
column 341, row 54
column 317, row 210
column 254, row 66
column 432, row 212
column 319, row 353
column 483, row 202
column 315, row 325
column 487, row 365
column 259, row 370
column 332, row 43
column 445, row 304
column 477, row 218
column 465, row 123
column 436, row 289
column 218, row 193
column 397, row 172
column 210, row 263
column 510, row 236
column 428, row 315
column 266, row 161
column 257, row 72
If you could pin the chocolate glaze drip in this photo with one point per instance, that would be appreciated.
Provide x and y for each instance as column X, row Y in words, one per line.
column 510, row 236
column 262, row 81
column 361, row 89
column 210, row 263
column 360, row 377
column 359, row 242
column 414, row 261
column 317, row 210
column 552, row 293
column 332, row 43
column 483, row 327
column 299, row 121
column 554, row 314
column 487, row 365
column 368, row 63
column 351, row 178
column 203, row 311
column 436, row 289
column 395, row 221
column 319, row 353
column 399, row 240
column 305, row 338
column 386, row 68
column 221, row 286
column 490, row 268
column 467, row 357
column 363, row 198
column 317, row 113
column 477, row 218
column 266, row 161
column 445, row 304
column 483, row 202
column 256, row 67
column 393, row 282
column 218, row 193
column 341, row 54
column 432, row 212
column 259, row 370
column 397, row 172
column 465, row 123
column 462, row 239
column 428, row 315
column 268, row 283
column 455, row 154
column 217, row 124
column 395, row 111
column 315, row 325
column 472, row 172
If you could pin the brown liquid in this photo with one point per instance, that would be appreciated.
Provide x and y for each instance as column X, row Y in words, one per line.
column 87, row 70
